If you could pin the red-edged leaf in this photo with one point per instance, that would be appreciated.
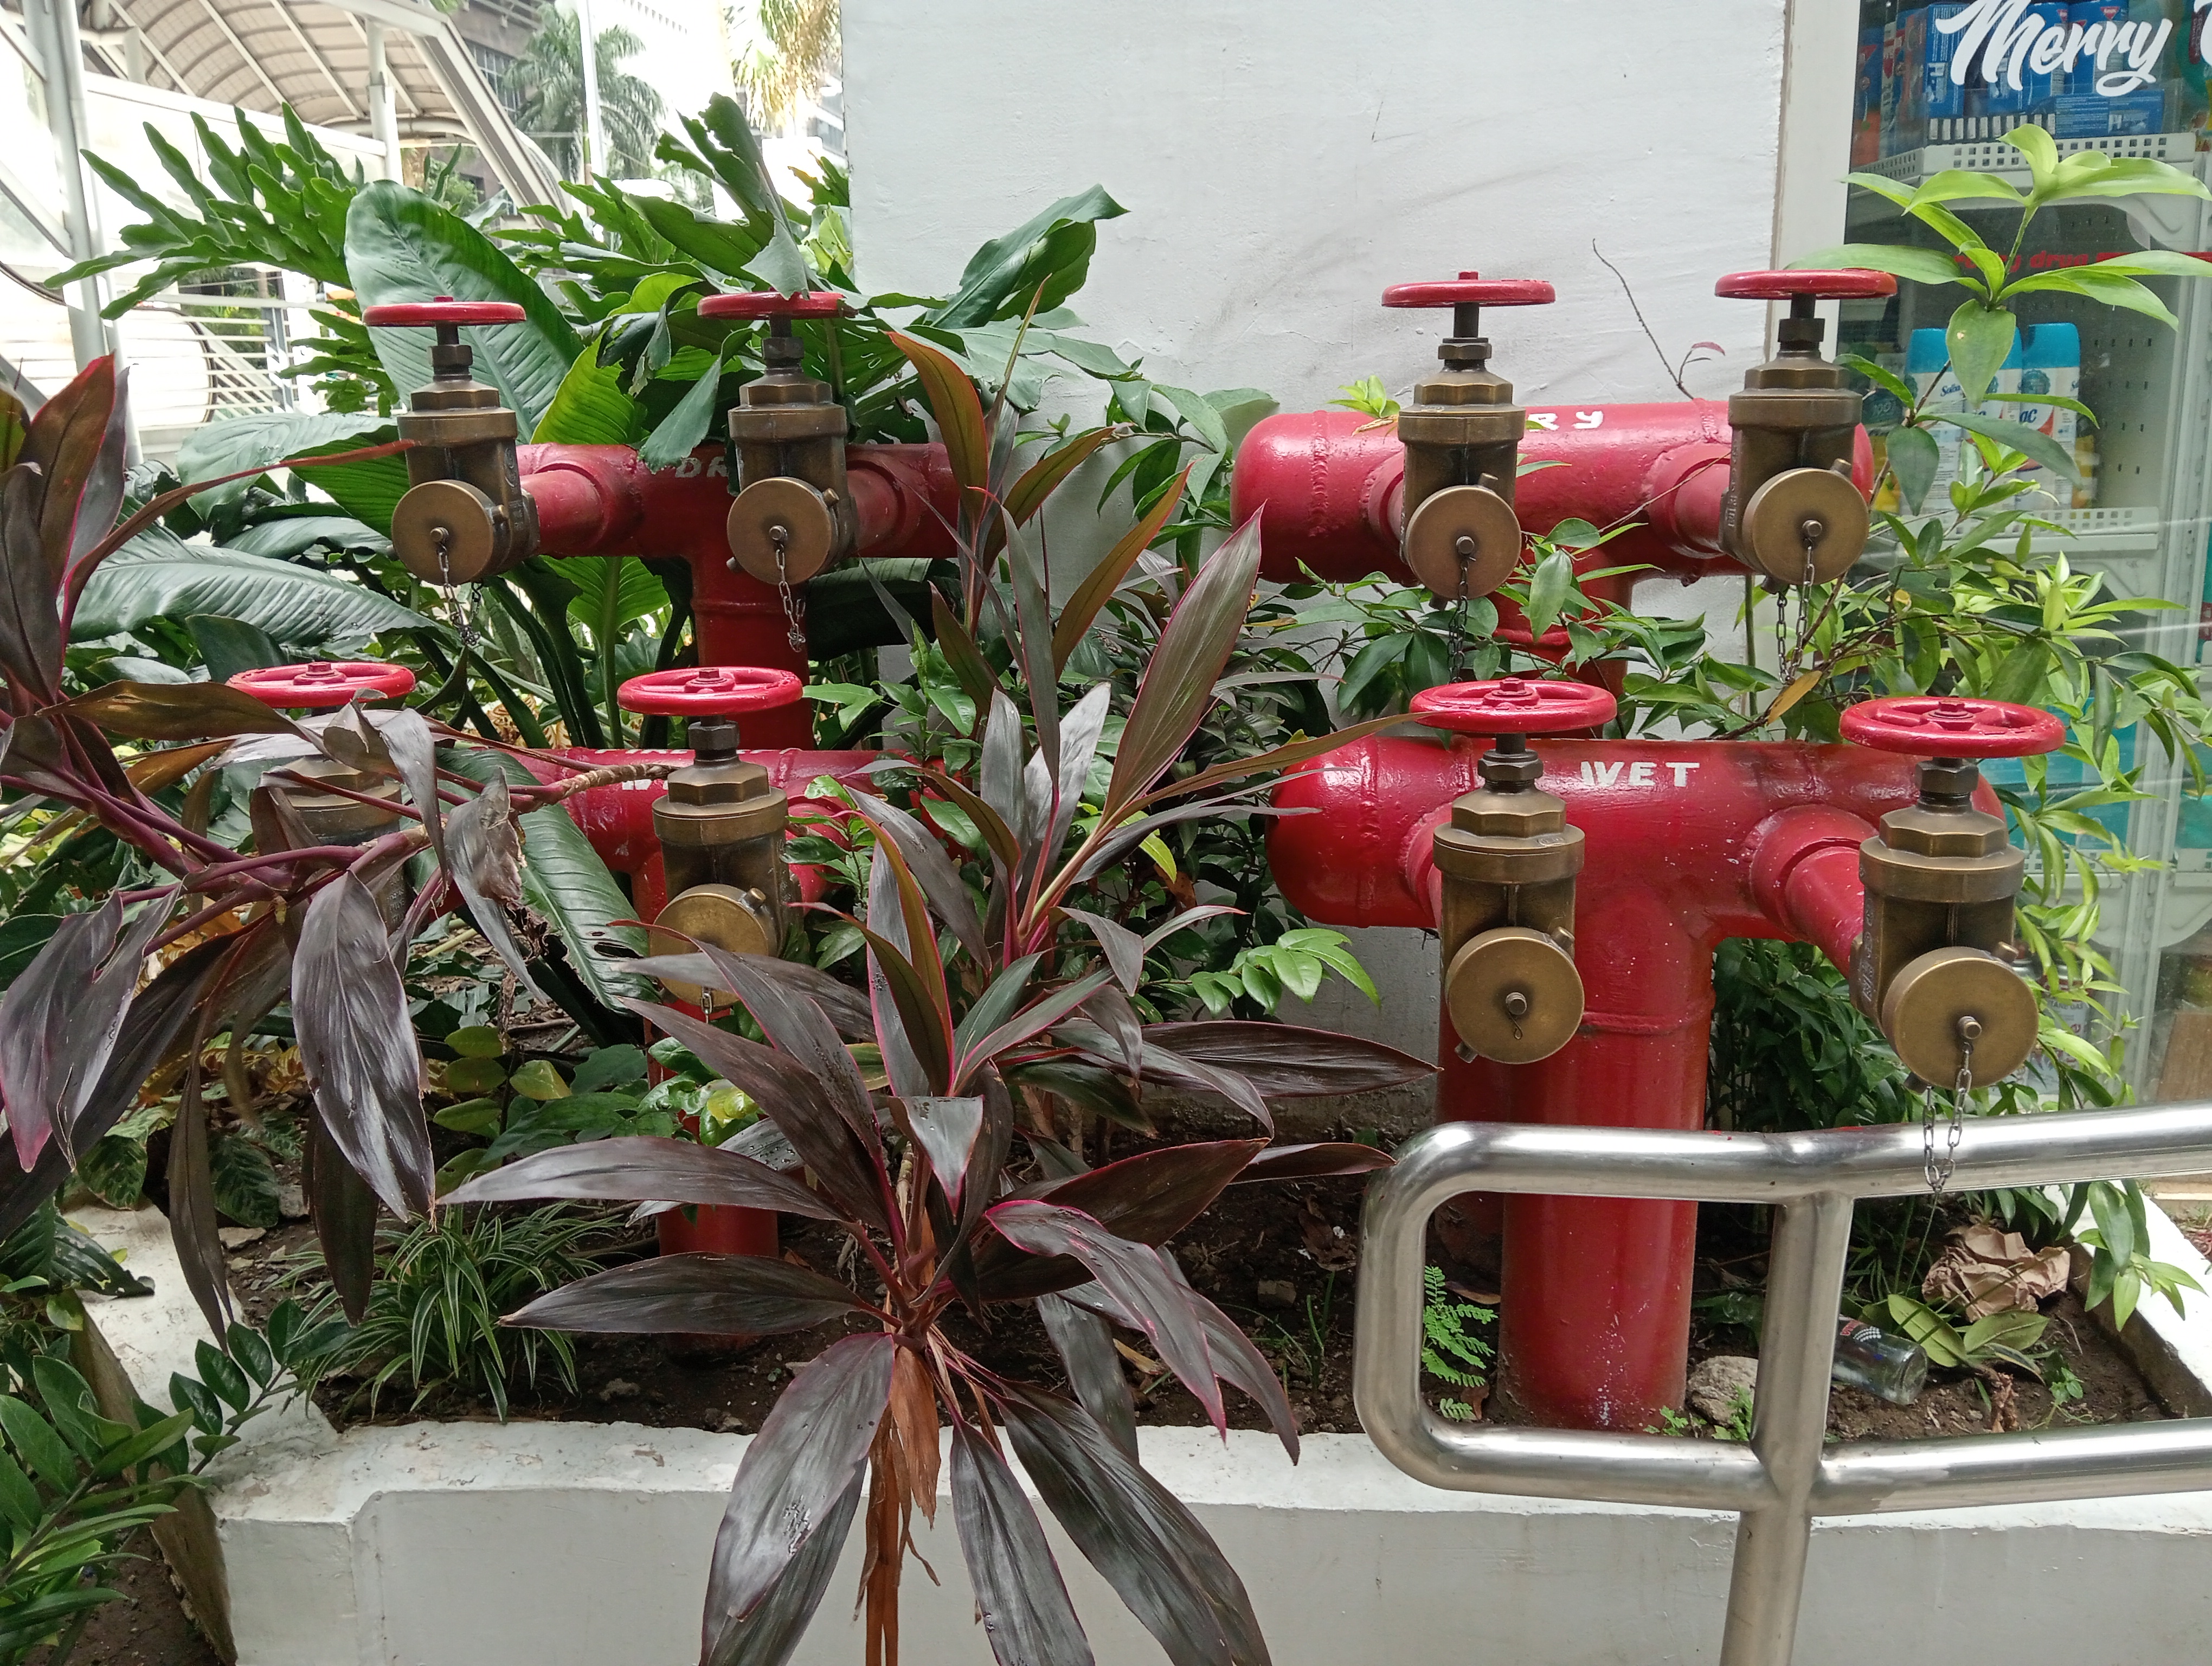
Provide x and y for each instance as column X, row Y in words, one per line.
column 1135, row 1275
column 484, row 858
column 1167, row 1065
column 771, row 1633
column 176, row 711
column 845, row 1007
column 645, row 1168
column 191, row 1204
column 952, row 402
column 1082, row 608
column 906, row 980
column 926, row 859
column 1144, row 1540
column 1279, row 757
column 1179, row 678
column 1040, row 1015
column 706, row 1294
column 357, row 1041
column 1005, row 849
column 791, row 1098
column 1019, row 1594
column 1288, row 1061
column 1320, row 1161
column 794, row 1024
column 61, row 499
column 1042, row 478
column 1236, row 1361
column 345, row 1221
column 808, row 1452
column 945, row 1129
column 1094, row 1369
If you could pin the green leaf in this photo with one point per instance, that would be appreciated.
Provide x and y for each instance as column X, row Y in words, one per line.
column 45, row 1452
column 224, row 1377
column 2040, row 152
column 1921, row 265
column 157, row 575
column 1913, row 455
column 781, row 263
column 482, row 1116
column 2030, row 442
column 245, row 1184
column 680, row 432
column 590, row 407
column 1954, row 184
column 1979, row 338
column 540, row 1080
column 401, row 247
column 567, row 884
column 19, row 1499
column 231, row 646
column 638, row 593
column 2020, row 673
column 114, row 1171
column 1051, row 252
column 258, row 442
column 1548, row 589
column 717, row 245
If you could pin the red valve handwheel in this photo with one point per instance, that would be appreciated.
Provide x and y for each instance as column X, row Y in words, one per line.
column 322, row 684
column 767, row 303
column 1469, row 289
column 444, row 310
column 1923, row 726
column 709, row 691
column 1512, row 705
column 1841, row 284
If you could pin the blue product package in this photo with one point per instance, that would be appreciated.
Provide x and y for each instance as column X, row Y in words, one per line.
column 1909, row 119
column 1944, row 99
column 2093, row 32
column 2017, row 86
column 2093, row 116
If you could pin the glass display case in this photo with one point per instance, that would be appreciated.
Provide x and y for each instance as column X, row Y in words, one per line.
column 1937, row 86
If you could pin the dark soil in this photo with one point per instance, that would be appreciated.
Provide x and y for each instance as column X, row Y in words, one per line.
column 147, row 1627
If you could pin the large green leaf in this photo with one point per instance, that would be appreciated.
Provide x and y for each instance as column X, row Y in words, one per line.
column 590, row 408
column 1052, row 251
column 638, row 591
column 401, row 246
column 1921, row 265
column 680, row 432
column 247, row 442
column 1979, row 338
column 567, row 884
column 157, row 574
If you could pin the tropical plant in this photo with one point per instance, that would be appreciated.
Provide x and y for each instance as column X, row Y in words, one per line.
column 550, row 73
column 1451, row 1349
column 442, row 1284
column 981, row 1022
column 799, row 53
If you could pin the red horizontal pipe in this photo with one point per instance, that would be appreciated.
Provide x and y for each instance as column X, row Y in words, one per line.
column 1328, row 486
column 603, row 500
column 1686, row 842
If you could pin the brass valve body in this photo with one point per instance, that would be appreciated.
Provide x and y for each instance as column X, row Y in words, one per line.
column 721, row 828
column 793, row 514
column 1790, row 502
column 1940, row 881
column 335, row 819
column 1509, row 861
column 1463, row 439
column 465, row 515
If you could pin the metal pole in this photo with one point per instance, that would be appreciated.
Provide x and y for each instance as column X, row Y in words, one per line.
column 53, row 26
column 595, row 132
column 1790, row 1414
column 383, row 108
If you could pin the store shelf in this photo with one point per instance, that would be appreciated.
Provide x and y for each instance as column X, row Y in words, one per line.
column 1916, row 167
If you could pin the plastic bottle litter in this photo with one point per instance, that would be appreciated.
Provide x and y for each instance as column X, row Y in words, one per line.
column 1889, row 1367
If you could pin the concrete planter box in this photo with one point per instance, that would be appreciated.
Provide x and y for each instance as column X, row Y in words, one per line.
column 471, row 1544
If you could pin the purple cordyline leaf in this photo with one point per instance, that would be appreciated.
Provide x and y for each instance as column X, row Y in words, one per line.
column 795, row 1025
column 345, row 1221
column 1086, row 1348
column 1146, row 1199
column 414, row 752
column 945, row 1128
column 34, row 755
column 176, row 711
column 932, row 870
column 192, row 1225
column 770, row 1634
column 707, row 1295
column 1033, row 612
column 1236, row 1361
column 1019, row 1594
column 1321, row 1160
column 60, row 1018
column 1098, row 587
column 350, row 1009
column 845, row 1007
column 1178, row 681
column 30, row 627
column 1170, row 1066
column 1005, row 846
column 1134, row 831
column 1142, row 1539
column 1078, row 745
column 483, row 859
column 808, row 1452
column 1288, row 1061
column 645, row 1168
column 794, row 1101
column 1119, row 1020
column 1135, row 1275
column 999, row 773
column 998, row 1002
column 60, row 499
column 1033, row 1019
column 1123, row 948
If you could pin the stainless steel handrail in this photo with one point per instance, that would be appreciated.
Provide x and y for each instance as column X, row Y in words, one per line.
column 1781, row 1479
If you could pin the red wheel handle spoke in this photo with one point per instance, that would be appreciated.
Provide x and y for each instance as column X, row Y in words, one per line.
column 444, row 310
column 1470, row 289
column 709, row 691
column 322, row 684
column 1843, row 284
column 1513, row 705
column 767, row 303
column 1923, row 726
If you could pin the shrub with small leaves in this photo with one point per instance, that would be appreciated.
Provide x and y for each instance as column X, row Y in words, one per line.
column 1451, row 1352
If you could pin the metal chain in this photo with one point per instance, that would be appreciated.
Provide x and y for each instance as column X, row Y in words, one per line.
column 794, row 620
column 463, row 622
column 1938, row 1171
column 1455, row 636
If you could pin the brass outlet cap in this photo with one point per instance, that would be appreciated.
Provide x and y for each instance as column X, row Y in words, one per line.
column 1804, row 517
column 1463, row 540
column 783, row 530
column 723, row 916
column 1514, row 995
column 1937, row 998
column 447, row 532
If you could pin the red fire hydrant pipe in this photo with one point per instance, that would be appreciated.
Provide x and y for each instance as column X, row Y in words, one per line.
column 1686, row 843
column 603, row 500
